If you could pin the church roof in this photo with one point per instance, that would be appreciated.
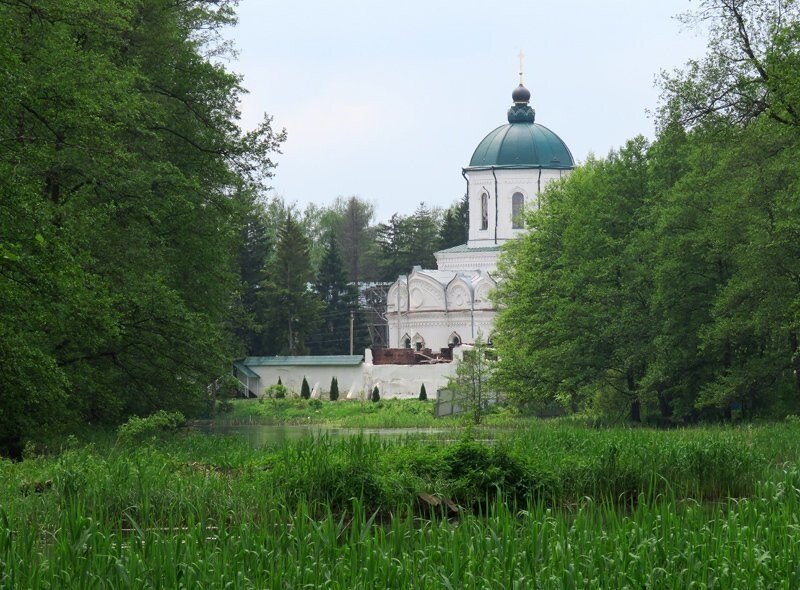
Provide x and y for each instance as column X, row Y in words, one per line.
column 445, row 277
column 521, row 143
column 466, row 248
column 441, row 276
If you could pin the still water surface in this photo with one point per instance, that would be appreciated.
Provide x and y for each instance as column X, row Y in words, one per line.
column 259, row 435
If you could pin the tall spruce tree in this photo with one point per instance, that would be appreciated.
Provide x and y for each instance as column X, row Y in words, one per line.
column 250, row 312
column 293, row 306
column 340, row 299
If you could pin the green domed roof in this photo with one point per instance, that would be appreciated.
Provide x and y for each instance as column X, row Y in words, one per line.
column 522, row 143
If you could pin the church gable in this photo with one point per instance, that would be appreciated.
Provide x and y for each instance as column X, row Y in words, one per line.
column 459, row 294
column 425, row 293
column 397, row 295
column 483, row 288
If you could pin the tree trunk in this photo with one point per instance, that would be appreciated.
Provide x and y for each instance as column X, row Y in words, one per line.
column 795, row 359
column 636, row 411
column 636, row 405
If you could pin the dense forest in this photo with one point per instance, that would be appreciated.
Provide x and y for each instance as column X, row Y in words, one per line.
column 139, row 248
column 663, row 281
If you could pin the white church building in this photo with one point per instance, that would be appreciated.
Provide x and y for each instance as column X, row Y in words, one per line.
column 432, row 311
column 442, row 307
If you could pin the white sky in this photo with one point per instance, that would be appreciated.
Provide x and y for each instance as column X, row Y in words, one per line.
column 387, row 101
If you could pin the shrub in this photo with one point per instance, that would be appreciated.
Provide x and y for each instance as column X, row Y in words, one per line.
column 277, row 391
column 305, row 390
column 161, row 422
column 423, row 395
column 224, row 406
column 334, row 395
column 376, row 395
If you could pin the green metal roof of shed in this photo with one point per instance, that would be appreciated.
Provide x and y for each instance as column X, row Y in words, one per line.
column 246, row 371
column 322, row 360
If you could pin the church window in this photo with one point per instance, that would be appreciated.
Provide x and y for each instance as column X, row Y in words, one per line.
column 406, row 341
column 484, row 211
column 517, row 201
column 419, row 342
column 454, row 339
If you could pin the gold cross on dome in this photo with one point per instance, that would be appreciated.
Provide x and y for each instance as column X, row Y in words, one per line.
column 521, row 56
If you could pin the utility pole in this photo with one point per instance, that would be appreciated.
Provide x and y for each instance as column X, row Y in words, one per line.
column 351, row 333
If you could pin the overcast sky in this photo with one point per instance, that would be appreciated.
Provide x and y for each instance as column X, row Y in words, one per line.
column 387, row 101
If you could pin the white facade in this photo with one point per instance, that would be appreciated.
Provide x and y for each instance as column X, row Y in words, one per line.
column 356, row 379
column 497, row 187
column 437, row 308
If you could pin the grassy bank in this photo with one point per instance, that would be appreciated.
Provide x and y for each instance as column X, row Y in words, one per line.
column 392, row 413
column 559, row 505
column 345, row 414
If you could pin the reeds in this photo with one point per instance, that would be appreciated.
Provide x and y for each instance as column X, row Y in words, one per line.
column 560, row 507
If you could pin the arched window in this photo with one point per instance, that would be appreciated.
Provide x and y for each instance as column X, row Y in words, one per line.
column 454, row 340
column 517, row 201
column 419, row 342
column 406, row 341
column 484, row 211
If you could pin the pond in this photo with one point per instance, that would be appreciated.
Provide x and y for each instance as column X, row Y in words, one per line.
column 259, row 435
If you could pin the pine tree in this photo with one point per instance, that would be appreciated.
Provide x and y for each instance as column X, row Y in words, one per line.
column 334, row 395
column 423, row 395
column 376, row 395
column 305, row 390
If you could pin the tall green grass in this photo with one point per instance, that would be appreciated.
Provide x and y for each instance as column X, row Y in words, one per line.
column 552, row 507
column 393, row 413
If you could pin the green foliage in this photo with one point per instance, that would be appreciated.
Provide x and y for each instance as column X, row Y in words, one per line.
column 455, row 224
column 423, row 395
column 224, row 406
column 472, row 383
column 255, row 247
column 277, row 391
column 658, row 283
column 749, row 71
column 334, row 392
column 393, row 413
column 376, row 395
column 305, row 390
column 121, row 150
column 340, row 300
column 157, row 424
column 352, row 505
column 293, row 307
column 405, row 241
column 349, row 219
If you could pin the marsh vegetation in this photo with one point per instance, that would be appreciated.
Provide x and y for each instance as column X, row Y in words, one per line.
column 555, row 505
